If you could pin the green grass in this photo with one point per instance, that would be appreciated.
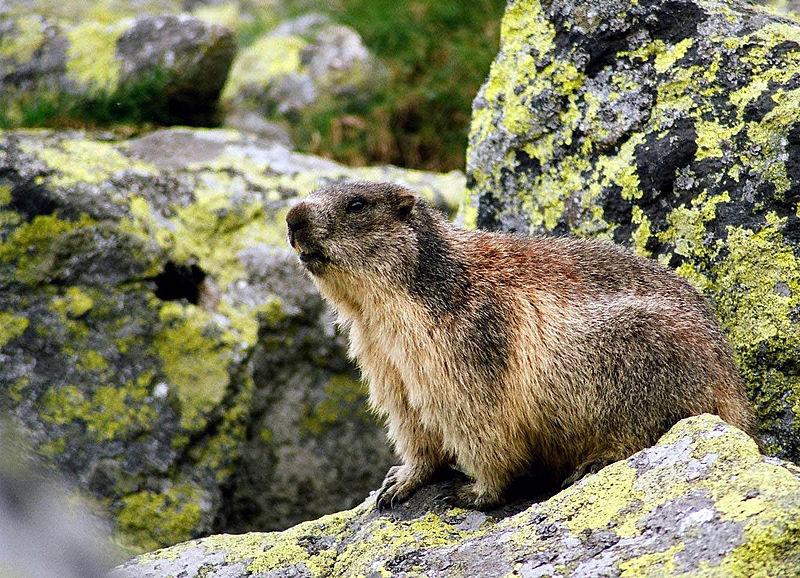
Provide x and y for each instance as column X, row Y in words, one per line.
column 141, row 103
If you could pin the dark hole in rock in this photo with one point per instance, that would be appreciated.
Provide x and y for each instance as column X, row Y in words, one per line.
column 177, row 282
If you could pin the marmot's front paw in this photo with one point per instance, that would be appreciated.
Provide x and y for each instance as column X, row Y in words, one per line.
column 469, row 497
column 400, row 482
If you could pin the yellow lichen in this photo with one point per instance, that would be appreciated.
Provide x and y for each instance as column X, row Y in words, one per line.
column 84, row 161
column 148, row 520
column 11, row 326
column 194, row 360
column 598, row 499
column 262, row 62
column 667, row 57
column 91, row 56
column 22, row 41
column 74, row 303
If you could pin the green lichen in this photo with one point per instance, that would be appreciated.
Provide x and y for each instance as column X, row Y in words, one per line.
column 23, row 40
column 5, row 195
column 11, row 326
column 195, row 360
column 53, row 448
column 28, row 249
column 91, row 56
column 217, row 455
column 109, row 413
column 343, row 395
column 93, row 361
column 148, row 520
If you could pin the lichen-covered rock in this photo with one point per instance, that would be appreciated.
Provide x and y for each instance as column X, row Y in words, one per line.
column 671, row 127
column 158, row 339
column 791, row 7
column 301, row 63
column 163, row 68
column 106, row 11
column 702, row 502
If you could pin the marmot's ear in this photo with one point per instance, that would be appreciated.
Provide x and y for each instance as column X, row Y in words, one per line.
column 405, row 204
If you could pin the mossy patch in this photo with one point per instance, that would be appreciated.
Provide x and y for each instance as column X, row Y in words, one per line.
column 91, row 58
column 11, row 326
column 152, row 519
column 109, row 413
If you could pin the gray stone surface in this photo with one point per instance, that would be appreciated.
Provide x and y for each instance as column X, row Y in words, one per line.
column 639, row 517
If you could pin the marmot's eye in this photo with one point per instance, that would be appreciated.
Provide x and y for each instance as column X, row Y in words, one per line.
column 356, row 205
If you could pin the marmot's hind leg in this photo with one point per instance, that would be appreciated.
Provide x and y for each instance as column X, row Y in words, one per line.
column 472, row 496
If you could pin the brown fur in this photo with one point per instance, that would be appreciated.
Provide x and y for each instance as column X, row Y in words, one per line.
column 507, row 355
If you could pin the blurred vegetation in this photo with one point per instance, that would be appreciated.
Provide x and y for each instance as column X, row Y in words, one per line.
column 131, row 108
column 437, row 53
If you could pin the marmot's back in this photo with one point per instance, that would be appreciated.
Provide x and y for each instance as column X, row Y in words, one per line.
column 503, row 353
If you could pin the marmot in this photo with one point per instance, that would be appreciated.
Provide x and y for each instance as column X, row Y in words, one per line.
column 507, row 355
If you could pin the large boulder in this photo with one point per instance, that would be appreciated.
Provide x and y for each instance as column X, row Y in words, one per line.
column 168, row 68
column 702, row 502
column 670, row 127
column 302, row 63
column 160, row 343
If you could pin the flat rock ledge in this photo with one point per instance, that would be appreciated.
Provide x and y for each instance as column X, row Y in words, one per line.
column 702, row 502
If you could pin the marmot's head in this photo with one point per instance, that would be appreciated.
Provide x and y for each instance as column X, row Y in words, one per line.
column 356, row 228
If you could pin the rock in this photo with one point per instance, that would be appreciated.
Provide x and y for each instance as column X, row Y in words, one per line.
column 159, row 341
column 702, row 502
column 790, row 7
column 41, row 532
column 156, row 68
column 302, row 62
column 670, row 127
column 33, row 54
column 192, row 56
column 247, row 121
column 78, row 11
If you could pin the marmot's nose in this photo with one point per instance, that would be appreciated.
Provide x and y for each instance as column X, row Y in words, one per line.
column 297, row 217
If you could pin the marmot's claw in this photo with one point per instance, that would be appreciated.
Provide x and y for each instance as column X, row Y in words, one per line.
column 399, row 483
